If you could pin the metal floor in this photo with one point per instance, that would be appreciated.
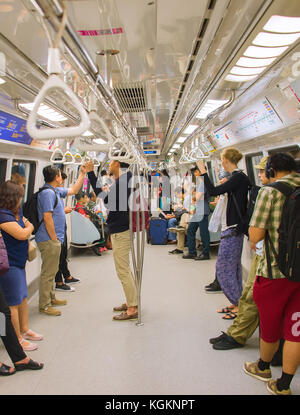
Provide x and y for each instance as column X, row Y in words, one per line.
column 85, row 352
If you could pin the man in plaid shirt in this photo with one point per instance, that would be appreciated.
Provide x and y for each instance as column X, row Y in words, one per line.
column 277, row 299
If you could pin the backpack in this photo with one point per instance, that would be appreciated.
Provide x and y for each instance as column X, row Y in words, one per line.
column 243, row 226
column 30, row 209
column 288, row 255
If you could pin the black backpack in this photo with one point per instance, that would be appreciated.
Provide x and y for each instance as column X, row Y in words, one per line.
column 243, row 226
column 288, row 255
column 30, row 210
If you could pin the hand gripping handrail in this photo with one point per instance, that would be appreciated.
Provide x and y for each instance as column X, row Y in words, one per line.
column 57, row 157
column 54, row 82
column 96, row 162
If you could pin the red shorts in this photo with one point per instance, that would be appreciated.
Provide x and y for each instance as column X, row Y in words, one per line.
column 278, row 303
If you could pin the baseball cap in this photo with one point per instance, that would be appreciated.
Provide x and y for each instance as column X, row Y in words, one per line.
column 262, row 163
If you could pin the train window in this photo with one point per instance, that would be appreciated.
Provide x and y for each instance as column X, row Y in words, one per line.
column 251, row 161
column 23, row 173
column 294, row 151
column 3, row 165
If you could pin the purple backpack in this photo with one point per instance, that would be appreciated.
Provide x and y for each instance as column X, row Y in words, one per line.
column 4, row 265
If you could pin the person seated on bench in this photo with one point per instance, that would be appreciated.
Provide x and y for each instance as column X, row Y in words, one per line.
column 174, row 217
column 181, row 229
column 81, row 205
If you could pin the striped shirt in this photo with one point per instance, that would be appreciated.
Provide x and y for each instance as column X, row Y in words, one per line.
column 267, row 215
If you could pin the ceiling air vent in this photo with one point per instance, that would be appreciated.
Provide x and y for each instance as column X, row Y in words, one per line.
column 132, row 96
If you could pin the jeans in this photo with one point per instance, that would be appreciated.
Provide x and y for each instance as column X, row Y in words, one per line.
column 172, row 235
column 204, row 233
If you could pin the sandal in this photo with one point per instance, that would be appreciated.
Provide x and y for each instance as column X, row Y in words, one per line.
column 31, row 335
column 125, row 316
column 29, row 347
column 5, row 370
column 122, row 307
column 230, row 316
column 225, row 310
column 31, row 365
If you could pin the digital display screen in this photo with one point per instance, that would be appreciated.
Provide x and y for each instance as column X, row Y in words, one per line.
column 258, row 119
column 13, row 129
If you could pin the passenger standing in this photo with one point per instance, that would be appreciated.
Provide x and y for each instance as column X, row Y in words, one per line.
column 228, row 266
column 51, row 234
column 247, row 318
column 15, row 233
column 118, row 223
column 276, row 297
column 12, row 345
column 199, row 220
column 63, row 276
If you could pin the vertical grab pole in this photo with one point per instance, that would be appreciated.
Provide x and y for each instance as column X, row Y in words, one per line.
column 137, row 248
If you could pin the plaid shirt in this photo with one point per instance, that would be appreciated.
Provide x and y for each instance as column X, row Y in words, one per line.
column 267, row 215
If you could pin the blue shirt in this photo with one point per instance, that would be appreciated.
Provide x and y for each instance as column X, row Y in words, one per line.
column 17, row 251
column 46, row 203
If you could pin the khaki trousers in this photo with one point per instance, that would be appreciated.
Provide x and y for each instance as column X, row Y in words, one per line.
column 247, row 318
column 121, row 249
column 50, row 253
column 184, row 222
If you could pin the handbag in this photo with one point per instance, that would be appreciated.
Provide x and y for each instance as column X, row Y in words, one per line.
column 216, row 217
column 4, row 264
column 32, row 252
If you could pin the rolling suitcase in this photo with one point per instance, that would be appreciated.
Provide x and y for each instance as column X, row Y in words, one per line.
column 158, row 231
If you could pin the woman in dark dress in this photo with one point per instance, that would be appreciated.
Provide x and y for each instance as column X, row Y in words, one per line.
column 11, row 192
column 15, row 232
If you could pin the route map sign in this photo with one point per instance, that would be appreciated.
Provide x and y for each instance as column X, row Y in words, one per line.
column 13, row 129
column 259, row 119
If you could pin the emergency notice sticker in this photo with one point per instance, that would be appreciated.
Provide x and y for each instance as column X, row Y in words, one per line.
column 102, row 32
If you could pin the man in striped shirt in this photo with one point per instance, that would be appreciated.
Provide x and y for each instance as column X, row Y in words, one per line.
column 277, row 299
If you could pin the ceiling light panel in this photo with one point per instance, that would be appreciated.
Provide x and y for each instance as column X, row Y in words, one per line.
column 261, row 52
column 190, row 129
column 88, row 133
column 283, row 24
column 275, row 39
column 238, row 78
column 254, row 63
column 210, row 106
column 238, row 70
column 176, row 146
column 46, row 112
column 2, row 81
column 99, row 141
column 181, row 139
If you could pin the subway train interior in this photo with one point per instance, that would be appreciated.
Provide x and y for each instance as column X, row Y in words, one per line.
column 160, row 85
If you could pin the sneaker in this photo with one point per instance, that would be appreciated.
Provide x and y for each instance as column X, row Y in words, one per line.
column 213, row 288
column 50, row 311
column 252, row 369
column 214, row 340
column 176, row 251
column 63, row 287
column 272, row 388
column 227, row 343
column 202, row 257
column 71, row 280
column 189, row 256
